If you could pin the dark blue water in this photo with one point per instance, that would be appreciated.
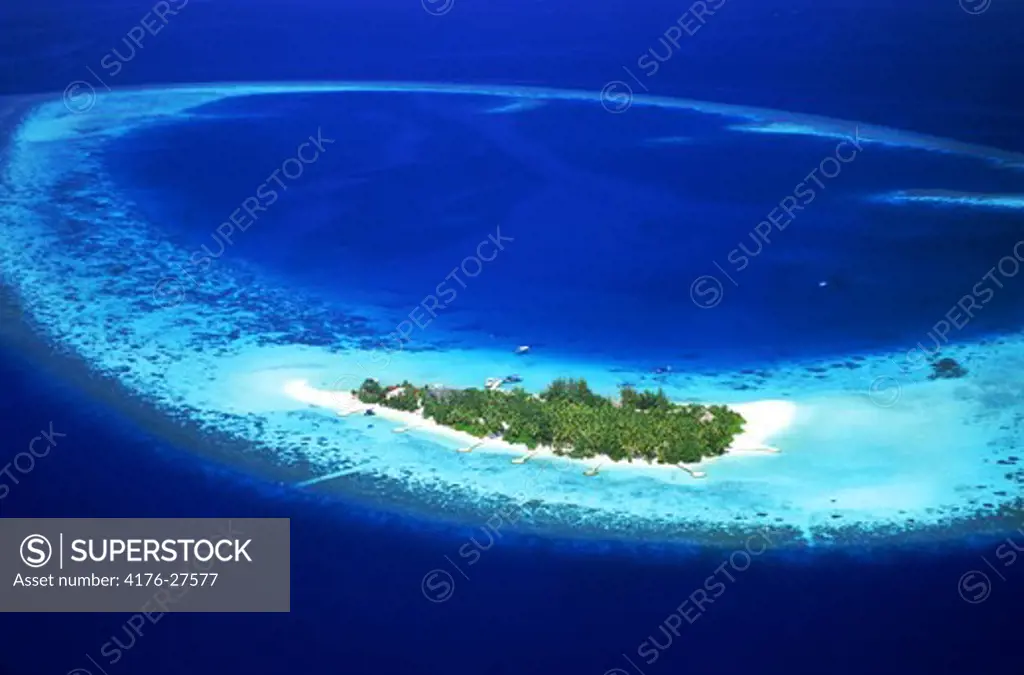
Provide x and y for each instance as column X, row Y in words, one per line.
column 537, row 606
column 606, row 228
column 527, row 606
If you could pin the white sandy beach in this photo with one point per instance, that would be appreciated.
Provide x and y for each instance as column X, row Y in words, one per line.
column 932, row 454
column 764, row 419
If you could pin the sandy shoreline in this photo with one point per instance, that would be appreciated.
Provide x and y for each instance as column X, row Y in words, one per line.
column 205, row 433
column 764, row 419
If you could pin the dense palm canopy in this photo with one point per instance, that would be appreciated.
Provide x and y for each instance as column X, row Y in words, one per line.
column 573, row 420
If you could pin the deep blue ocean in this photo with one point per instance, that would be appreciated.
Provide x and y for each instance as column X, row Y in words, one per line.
column 604, row 233
column 617, row 288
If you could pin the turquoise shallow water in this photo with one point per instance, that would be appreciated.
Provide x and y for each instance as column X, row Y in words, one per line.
column 875, row 446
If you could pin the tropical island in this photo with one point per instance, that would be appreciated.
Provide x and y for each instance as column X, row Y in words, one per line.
column 571, row 419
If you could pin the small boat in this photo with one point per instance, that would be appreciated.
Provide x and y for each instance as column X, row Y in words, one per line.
column 524, row 459
column 522, row 349
column 590, row 473
column 513, row 379
column 493, row 383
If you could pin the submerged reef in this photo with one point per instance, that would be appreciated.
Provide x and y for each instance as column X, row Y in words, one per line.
column 873, row 451
column 946, row 369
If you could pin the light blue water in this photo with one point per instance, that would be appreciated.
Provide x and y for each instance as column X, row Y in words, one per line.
column 872, row 447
